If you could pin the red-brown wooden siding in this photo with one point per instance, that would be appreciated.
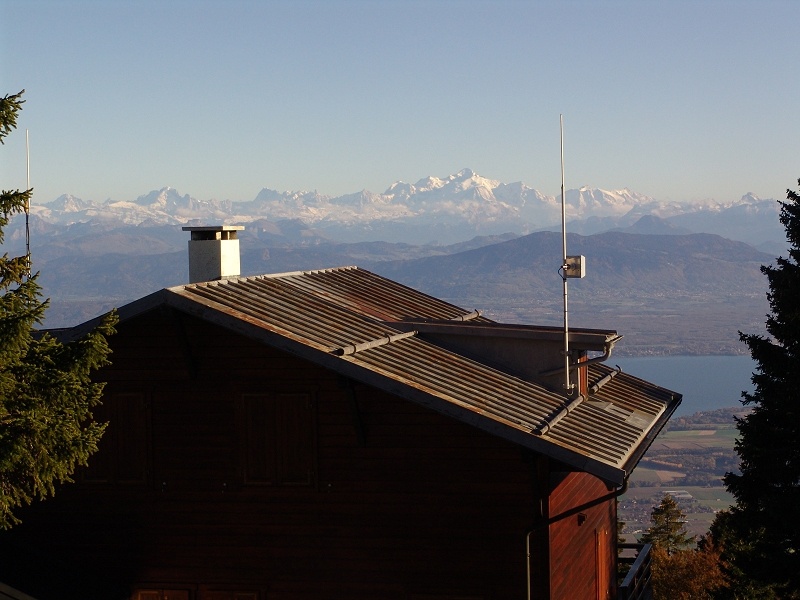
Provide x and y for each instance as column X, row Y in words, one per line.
column 407, row 504
column 582, row 546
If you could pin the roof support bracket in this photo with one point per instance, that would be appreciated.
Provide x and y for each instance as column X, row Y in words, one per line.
column 352, row 349
column 595, row 387
column 562, row 412
column 468, row 317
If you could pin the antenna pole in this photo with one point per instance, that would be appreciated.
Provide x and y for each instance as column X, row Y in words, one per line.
column 27, row 201
column 567, row 385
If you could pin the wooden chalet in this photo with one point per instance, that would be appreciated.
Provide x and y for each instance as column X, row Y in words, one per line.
column 336, row 435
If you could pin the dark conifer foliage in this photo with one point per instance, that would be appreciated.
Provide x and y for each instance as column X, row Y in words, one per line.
column 760, row 535
column 46, row 392
column 668, row 526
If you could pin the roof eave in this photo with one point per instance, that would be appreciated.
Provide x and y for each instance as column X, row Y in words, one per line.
column 658, row 424
column 125, row 312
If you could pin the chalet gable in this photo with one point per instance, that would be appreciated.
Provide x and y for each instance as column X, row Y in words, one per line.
column 495, row 377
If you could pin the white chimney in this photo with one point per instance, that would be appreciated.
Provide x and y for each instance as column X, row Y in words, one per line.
column 213, row 252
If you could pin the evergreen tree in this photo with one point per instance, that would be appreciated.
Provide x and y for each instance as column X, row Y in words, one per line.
column 760, row 535
column 678, row 571
column 668, row 528
column 46, row 393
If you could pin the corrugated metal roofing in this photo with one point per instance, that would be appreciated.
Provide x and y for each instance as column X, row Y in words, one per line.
column 464, row 382
column 369, row 294
column 287, row 309
column 341, row 319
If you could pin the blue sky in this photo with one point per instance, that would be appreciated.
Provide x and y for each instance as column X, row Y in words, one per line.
column 219, row 99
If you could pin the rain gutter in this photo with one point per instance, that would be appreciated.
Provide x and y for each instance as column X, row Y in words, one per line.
column 607, row 349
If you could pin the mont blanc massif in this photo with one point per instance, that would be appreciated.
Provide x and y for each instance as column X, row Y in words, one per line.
column 431, row 211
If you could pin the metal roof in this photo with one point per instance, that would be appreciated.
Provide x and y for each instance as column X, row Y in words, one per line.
column 342, row 319
column 369, row 294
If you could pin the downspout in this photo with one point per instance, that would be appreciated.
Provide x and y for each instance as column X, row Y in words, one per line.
column 568, row 513
column 608, row 348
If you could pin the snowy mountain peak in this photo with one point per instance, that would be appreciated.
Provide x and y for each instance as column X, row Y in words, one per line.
column 68, row 203
column 429, row 183
column 587, row 201
column 400, row 189
column 158, row 197
column 750, row 198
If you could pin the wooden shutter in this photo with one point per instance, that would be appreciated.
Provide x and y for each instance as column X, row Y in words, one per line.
column 294, row 437
column 123, row 449
column 131, row 434
column 278, row 439
column 259, row 438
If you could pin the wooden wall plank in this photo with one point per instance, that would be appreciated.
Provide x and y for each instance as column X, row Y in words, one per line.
column 422, row 505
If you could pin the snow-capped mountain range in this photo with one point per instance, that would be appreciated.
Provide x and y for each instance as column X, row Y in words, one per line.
column 433, row 209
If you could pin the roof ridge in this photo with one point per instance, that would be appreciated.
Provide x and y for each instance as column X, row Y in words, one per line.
column 238, row 278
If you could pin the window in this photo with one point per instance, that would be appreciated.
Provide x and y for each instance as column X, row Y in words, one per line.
column 122, row 451
column 279, row 439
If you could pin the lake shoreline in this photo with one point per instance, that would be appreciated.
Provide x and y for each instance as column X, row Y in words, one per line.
column 706, row 382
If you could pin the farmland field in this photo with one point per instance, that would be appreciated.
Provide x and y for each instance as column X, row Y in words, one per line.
column 688, row 460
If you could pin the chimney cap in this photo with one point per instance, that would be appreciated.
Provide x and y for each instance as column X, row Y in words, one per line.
column 215, row 228
column 212, row 233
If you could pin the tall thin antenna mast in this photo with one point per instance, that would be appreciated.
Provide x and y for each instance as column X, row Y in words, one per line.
column 28, row 202
column 564, row 267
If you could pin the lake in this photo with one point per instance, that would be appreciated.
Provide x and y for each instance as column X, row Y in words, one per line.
column 706, row 382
